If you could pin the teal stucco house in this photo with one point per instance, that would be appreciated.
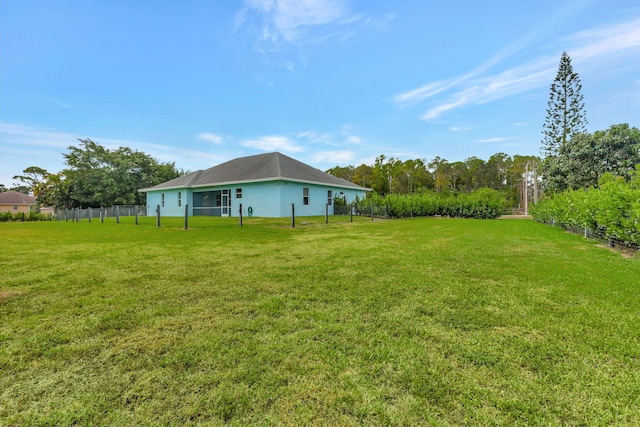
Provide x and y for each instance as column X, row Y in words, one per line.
column 265, row 185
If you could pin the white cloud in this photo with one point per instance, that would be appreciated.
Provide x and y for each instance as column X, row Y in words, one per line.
column 618, row 42
column 605, row 40
column 349, row 137
column 15, row 134
column 287, row 20
column 315, row 137
column 352, row 139
column 424, row 92
column 59, row 103
column 273, row 143
column 459, row 128
column 344, row 136
column 334, row 157
column 216, row 139
column 497, row 139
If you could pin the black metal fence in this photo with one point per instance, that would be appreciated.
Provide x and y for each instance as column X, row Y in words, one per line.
column 78, row 214
column 599, row 235
column 371, row 210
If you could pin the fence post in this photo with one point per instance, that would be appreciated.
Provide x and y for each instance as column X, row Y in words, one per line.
column 326, row 214
column 158, row 215
column 585, row 233
column 240, row 214
column 101, row 215
column 372, row 209
column 117, row 214
column 186, row 217
column 136, row 214
column 351, row 211
column 293, row 215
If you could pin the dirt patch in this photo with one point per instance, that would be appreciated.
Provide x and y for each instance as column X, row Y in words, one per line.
column 5, row 295
column 624, row 252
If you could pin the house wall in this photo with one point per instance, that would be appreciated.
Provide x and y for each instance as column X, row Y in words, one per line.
column 14, row 209
column 264, row 199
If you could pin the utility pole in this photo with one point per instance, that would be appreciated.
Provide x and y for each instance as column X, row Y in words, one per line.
column 526, row 189
column 535, row 183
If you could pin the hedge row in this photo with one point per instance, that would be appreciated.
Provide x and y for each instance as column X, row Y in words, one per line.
column 31, row 216
column 484, row 204
column 613, row 208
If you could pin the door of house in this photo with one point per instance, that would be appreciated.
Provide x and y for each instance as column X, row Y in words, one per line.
column 225, row 204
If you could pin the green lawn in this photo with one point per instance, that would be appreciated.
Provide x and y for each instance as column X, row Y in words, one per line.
column 404, row 322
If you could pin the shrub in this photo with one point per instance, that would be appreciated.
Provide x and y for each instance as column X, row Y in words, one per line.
column 31, row 216
column 613, row 207
column 484, row 204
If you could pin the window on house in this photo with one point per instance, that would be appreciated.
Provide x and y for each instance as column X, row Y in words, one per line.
column 162, row 200
column 179, row 198
column 329, row 197
column 15, row 208
column 238, row 193
column 305, row 196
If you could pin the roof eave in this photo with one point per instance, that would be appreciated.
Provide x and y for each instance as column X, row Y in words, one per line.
column 252, row 181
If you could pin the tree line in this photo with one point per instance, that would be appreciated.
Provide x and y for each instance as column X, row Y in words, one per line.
column 96, row 177
column 501, row 172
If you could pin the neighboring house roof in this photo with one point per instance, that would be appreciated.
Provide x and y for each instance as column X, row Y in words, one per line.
column 261, row 167
column 12, row 197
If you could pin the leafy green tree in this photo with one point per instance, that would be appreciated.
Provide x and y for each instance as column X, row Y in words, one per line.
column 31, row 178
column 582, row 162
column 458, row 175
column 440, row 168
column 382, row 177
column 363, row 175
column 477, row 174
column 417, row 175
column 497, row 168
column 100, row 177
column 344, row 172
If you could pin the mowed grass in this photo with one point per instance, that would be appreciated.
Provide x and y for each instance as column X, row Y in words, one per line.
column 405, row 322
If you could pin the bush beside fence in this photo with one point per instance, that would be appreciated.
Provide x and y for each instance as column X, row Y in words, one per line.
column 611, row 211
column 22, row 216
column 482, row 204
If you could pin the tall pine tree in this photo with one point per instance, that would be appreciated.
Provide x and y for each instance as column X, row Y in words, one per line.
column 565, row 115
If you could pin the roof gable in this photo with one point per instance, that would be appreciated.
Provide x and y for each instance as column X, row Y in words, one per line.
column 12, row 197
column 261, row 167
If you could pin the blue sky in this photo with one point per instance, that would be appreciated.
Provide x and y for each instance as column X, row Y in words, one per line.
column 329, row 82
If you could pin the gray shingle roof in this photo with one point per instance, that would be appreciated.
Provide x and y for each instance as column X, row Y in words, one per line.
column 261, row 167
column 12, row 197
